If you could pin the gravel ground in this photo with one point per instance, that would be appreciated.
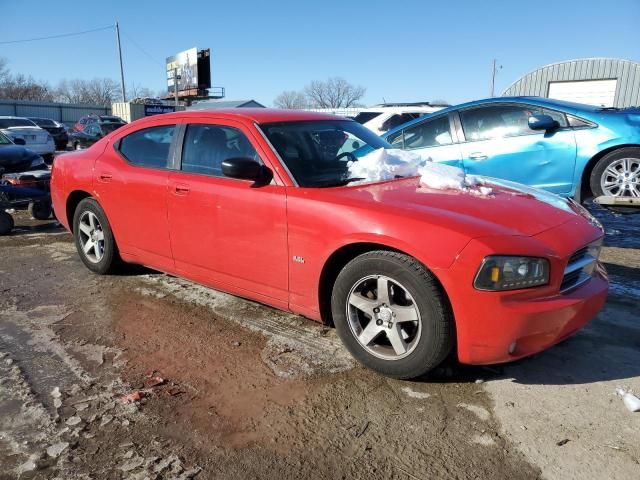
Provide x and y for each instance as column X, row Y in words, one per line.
column 232, row 389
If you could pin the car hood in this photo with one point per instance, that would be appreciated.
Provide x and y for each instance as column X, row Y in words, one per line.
column 16, row 158
column 510, row 208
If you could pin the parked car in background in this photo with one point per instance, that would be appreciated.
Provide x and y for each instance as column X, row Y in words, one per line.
column 35, row 138
column 567, row 148
column 382, row 118
column 242, row 200
column 92, row 133
column 87, row 120
column 56, row 129
column 15, row 157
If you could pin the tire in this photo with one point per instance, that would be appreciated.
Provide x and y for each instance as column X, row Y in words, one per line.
column 615, row 160
column 40, row 209
column 103, row 257
column 6, row 223
column 412, row 292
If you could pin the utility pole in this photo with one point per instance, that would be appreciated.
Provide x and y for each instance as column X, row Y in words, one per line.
column 124, row 96
column 176, row 77
column 494, row 70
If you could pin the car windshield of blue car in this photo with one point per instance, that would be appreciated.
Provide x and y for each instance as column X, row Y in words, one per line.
column 318, row 152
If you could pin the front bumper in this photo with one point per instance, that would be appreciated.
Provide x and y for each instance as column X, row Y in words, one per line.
column 496, row 327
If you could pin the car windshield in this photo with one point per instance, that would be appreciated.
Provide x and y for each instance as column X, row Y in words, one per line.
column 4, row 140
column 16, row 122
column 43, row 122
column 317, row 153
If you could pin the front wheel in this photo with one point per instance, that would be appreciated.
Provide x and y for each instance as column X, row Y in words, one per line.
column 40, row 209
column 392, row 314
column 6, row 223
column 93, row 237
column 617, row 174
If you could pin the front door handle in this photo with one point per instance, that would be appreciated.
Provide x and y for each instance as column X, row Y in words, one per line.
column 105, row 177
column 477, row 156
column 181, row 189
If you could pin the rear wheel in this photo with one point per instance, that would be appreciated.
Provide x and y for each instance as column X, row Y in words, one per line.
column 392, row 315
column 617, row 174
column 93, row 237
column 40, row 209
column 6, row 223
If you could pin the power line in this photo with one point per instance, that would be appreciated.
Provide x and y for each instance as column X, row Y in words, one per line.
column 135, row 44
column 62, row 35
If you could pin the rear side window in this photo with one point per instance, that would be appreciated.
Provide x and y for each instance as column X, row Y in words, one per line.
column 432, row 133
column 149, row 147
column 207, row 146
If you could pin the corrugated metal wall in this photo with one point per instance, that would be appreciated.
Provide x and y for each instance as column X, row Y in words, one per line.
column 61, row 112
column 626, row 72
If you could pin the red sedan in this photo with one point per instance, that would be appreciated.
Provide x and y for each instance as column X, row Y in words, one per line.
column 259, row 203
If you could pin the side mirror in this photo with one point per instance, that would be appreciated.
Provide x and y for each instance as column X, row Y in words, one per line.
column 19, row 141
column 542, row 122
column 243, row 168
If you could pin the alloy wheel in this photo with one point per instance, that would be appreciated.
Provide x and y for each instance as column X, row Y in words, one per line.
column 383, row 317
column 91, row 237
column 621, row 178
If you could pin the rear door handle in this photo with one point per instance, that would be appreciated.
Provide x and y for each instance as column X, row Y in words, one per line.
column 478, row 156
column 105, row 177
column 181, row 189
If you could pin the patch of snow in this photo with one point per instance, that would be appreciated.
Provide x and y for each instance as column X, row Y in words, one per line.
column 630, row 400
column 387, row 164
column 413, row 394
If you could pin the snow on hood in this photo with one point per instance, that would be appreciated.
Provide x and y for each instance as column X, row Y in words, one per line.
column 387, row 164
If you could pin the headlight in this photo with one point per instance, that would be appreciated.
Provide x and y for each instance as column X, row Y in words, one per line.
column 511, row 273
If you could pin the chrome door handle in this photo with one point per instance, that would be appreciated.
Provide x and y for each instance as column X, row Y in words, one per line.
column 478, row 156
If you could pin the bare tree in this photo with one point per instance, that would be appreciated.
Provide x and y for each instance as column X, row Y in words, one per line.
column 136, row 91
column 336, row 92
column 291, row 99
column 99, row 91
column 4, row 69
column 19, row 87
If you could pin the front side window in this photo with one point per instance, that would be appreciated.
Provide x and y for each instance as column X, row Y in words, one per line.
column 207, row 146
column 317, row 153
column 149, row 147
column 432, row 133
column 501, row 121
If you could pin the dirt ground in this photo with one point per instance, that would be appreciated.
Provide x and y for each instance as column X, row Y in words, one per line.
column 233, row 389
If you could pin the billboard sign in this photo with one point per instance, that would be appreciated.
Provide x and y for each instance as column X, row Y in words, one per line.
column 157, row 109
column 185, row 64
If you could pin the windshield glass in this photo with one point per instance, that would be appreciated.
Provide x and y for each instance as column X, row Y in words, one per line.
column 317, row 153
column 16, row 122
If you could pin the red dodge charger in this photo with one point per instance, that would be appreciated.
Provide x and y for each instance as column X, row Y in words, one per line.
column 260, row 203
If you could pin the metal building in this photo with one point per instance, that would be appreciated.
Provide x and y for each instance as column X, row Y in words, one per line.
column 606, row 82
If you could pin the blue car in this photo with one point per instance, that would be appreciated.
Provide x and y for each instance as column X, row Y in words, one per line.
column 567, row 148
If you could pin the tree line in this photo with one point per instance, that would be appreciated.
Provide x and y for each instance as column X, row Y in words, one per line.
column 97, row 91
column 335, row 92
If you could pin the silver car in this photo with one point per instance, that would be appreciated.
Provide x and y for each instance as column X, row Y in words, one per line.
column 34, row 137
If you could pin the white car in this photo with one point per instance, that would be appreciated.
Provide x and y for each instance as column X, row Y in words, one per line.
column 34, row 137
column 382, row 118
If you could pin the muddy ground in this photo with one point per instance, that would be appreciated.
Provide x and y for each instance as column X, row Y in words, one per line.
column 233, row 389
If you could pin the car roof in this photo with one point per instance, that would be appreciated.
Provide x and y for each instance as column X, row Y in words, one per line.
column 537, row 101
column 257, row 115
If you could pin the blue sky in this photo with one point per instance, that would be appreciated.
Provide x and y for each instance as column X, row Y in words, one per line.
column 400, row 50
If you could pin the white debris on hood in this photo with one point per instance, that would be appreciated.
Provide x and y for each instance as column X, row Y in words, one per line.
column 387, row 164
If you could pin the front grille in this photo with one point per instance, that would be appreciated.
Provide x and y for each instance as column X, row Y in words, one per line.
column 580, row 266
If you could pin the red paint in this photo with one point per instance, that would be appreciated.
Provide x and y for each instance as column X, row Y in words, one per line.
column 226, row 234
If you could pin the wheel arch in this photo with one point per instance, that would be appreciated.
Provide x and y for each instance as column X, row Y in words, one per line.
column 343, row 255
column 584, row 188
column 73, row 200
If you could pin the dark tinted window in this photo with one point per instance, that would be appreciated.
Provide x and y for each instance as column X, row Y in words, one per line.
column 207, row 146
column 16, row 122
column 43, row 122
column 92, row 130
column 397, row 120
column 148, row 147
column 428, row 134
column 501, row 121
column 577, row 122
column 364, row 117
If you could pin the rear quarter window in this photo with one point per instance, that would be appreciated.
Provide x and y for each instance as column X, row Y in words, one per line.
column 148, row 147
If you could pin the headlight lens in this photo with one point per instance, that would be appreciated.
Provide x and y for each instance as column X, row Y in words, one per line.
column 510, row 273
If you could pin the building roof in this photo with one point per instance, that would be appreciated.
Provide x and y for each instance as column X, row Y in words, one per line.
column 210, row 104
